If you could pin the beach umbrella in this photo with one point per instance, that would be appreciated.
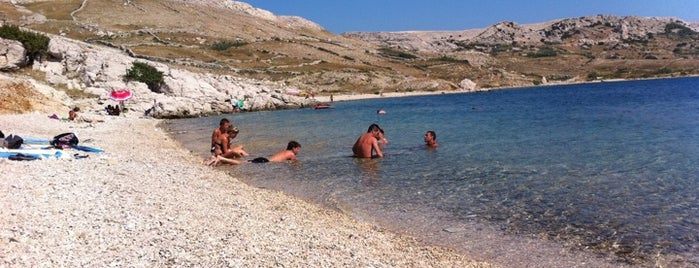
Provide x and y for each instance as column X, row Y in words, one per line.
column 120, row 95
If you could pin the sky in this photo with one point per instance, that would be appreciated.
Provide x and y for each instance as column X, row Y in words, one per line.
column 339, row 16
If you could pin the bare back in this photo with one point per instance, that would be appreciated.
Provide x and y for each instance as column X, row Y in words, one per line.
column 282, row 156
column 364, row 146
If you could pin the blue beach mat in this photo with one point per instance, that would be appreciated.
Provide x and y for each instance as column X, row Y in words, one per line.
column 31, row 140
column 87, row 149
column 38, row 153
column 40, row 141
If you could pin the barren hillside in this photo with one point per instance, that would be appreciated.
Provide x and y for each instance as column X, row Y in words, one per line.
column 235, row 38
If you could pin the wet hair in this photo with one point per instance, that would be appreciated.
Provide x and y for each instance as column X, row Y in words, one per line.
column 223, row 121
column 232, row 129
column 374, row 127
column 434, row 135
column 292, row 145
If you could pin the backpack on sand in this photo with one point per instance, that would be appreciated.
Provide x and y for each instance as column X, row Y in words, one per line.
column 65, row 140
column 13, row 141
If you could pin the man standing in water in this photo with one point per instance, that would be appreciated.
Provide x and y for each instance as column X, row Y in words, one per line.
column 368, row 143
column 431, row 139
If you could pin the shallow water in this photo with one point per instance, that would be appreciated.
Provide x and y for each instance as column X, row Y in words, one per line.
column 610, row 168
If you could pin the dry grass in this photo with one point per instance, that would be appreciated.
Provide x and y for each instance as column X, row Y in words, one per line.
column 56, row 9
column 185, row 32
column 17, row 97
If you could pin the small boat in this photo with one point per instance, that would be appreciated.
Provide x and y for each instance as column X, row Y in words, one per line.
column 322, row 106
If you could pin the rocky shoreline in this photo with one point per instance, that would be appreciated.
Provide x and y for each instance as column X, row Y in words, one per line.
column 148, row 202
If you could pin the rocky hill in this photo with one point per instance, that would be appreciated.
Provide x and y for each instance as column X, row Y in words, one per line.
column 269, row 55
column 599, row 28
column 567, row 50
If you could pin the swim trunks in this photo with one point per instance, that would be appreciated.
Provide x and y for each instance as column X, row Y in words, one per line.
column 259, row 160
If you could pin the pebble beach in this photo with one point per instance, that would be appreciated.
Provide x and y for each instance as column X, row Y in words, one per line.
column 146, row 202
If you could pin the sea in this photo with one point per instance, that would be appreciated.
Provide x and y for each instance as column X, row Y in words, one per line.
column 609, row 169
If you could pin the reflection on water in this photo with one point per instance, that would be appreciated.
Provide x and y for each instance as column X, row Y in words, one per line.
column 607, row 167
column 369, row 170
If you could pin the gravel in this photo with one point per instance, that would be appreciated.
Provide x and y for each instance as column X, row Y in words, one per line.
column 148, row 202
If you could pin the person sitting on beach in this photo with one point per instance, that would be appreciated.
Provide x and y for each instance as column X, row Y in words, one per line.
column 367, row 144
column 230, row 150
column 224, row 150
column 292, row 149
column 431, row 139
column 216, row 136
column 73, row 115
column 113, row 110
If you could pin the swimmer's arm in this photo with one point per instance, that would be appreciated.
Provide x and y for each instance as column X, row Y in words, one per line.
column 375, row 144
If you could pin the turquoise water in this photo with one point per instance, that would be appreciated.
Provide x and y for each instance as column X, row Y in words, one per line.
column 611, row 168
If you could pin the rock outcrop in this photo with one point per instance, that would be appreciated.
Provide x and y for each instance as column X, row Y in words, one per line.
column 98, row 70
column 599, row 28
column 12, row 55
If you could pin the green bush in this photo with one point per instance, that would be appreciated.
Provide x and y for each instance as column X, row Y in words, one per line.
column 394, row 53
column 679, row 30
column 497, row 49
column 543, row 52
column 223, row 45
column 147, row 74
column 446, row 58
column 36, row 44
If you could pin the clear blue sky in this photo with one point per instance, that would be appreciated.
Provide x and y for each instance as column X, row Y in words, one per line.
column 340, row 16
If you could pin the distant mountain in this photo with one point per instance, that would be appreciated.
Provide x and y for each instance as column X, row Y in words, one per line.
column 566, row 50
column 591, row 29
column 233, row 37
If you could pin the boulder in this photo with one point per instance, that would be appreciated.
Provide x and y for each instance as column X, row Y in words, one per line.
column 12, row 55
column 467, row 85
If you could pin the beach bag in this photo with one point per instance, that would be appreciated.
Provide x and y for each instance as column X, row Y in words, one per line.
column 65, row 140
column 13, row 141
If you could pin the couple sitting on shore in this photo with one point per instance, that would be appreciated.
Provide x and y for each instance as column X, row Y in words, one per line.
column 223, row 150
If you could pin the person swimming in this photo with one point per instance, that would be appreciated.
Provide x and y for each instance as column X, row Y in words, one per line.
column 292, row 149
column 431, row 139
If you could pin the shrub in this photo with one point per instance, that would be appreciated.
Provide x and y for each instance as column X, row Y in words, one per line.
column 496, row 49
column 446, row 58
column 394, row 53
column 679, row 30
column 147, row 74
column 543, row 52
column 223, row 45
column 593, row 76
column 36, row 44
